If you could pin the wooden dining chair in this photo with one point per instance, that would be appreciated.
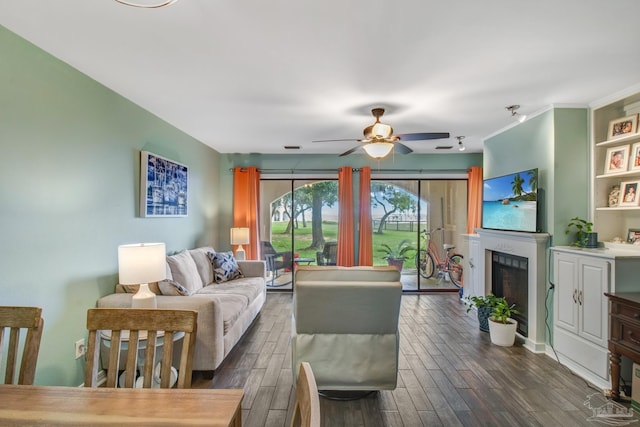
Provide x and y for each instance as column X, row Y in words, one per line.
column 306, row 412
column 15, row 319
column 137, row 328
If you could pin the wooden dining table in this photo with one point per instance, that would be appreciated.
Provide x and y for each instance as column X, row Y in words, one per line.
column 80, row 406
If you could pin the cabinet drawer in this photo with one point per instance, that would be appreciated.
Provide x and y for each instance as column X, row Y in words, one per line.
column 626, row 312
column 629, row 335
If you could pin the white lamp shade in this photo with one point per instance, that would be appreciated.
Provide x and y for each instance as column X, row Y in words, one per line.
column 239, row 236
column 378, row 150
column 141, row 263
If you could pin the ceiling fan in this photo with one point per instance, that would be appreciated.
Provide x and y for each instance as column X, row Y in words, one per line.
column 379, row 140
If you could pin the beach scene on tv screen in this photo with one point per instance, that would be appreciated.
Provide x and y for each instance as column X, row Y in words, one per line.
column 510, row 202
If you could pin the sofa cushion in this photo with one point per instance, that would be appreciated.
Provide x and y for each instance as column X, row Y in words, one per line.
column 235, row 296
column 203, row 263
column 225, row 267
column 172, row 288
column 184, row 271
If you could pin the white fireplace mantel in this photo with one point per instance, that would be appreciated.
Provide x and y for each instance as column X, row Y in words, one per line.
column 532, row 246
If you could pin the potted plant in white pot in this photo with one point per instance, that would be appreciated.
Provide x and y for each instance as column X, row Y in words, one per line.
column 396, row 257
column 484, row 305
column 502, row 328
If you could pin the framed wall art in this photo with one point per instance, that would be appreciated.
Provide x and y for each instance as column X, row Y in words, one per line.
column 634, row 158
column 623, row 126
column 617, row 159
column 629, row 193
column 163, row 186
column 633, row 235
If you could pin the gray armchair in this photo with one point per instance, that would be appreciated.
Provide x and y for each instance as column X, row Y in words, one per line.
column 345, row 324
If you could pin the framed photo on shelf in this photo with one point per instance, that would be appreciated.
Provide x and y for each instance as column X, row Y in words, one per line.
column 634, row 158
column 623, row 126
column 633, row 236
column 617, row 159
column 163, row 186
column 629, row 193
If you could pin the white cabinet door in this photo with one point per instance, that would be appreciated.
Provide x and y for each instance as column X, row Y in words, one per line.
column 594, row 282
column 565, row 306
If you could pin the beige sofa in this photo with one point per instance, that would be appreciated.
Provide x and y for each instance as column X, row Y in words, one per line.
column 225, row 310
column 345, row 324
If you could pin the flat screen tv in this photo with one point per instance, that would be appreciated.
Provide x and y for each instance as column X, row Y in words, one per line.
column 510, row 202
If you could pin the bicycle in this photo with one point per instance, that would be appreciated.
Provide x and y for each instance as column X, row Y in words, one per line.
column 428, row 259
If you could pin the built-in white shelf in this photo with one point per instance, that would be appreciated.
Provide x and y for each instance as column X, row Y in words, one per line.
column 620, row 140
column 620, row 208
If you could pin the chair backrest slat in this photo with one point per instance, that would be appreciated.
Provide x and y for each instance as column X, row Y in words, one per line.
column 140, row 329
column 16, row 319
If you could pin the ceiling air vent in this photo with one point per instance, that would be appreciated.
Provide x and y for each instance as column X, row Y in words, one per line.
column 291, row 147
column 444, row 147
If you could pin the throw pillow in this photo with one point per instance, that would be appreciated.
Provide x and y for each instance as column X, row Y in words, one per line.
column 184, row 271
column 225, row 267
column 172, row 288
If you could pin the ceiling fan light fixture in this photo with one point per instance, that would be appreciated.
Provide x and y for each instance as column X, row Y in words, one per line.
column 461, row 146
column 381, row 130
column 378, row 150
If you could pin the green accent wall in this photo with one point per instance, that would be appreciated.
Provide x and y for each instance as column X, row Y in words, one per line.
column 557, row 143
column 70, row 173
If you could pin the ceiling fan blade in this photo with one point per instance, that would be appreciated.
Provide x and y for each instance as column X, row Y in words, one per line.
column 401, row 148
column 335, row 140
column 350, row 151
column 423, row 136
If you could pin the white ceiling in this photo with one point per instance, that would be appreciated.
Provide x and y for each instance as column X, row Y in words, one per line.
column 255, row 75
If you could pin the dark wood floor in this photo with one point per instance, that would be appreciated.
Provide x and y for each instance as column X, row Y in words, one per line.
column 450, row 375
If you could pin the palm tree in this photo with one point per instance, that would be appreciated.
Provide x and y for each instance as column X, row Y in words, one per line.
column 533, row 181
column 517, row 185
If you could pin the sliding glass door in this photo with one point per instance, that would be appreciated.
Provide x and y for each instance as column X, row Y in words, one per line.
column 412, row 220
column 299, row 220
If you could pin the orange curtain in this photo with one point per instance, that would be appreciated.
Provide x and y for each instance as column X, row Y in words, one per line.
column 365, row 254
column 345, row 217
column 246, row 206
column 474, row 209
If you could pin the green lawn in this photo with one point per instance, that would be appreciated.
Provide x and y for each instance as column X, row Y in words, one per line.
column 282, row 242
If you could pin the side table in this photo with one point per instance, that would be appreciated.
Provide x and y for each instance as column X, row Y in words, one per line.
column 142, row 345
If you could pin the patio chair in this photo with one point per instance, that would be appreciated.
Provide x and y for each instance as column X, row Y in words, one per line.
column 275, row 260
column 328, row 255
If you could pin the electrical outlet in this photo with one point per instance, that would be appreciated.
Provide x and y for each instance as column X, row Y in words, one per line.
column 80, row 348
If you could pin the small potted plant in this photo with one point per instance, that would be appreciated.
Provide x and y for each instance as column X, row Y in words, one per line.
column 396, row 257
column 484, row 305
column 583, row 230
column 502, row 328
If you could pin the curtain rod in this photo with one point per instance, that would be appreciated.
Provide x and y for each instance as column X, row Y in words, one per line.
column 373, row 171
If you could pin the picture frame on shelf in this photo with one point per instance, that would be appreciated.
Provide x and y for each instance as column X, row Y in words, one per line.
column 633, row 235
column 629, row 193
column 634, row 158
column 616, row 159
column 623, row 126
column 163, row 186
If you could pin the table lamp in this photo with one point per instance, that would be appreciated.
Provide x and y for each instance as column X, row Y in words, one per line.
column 240, row 236
column 141, row 264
